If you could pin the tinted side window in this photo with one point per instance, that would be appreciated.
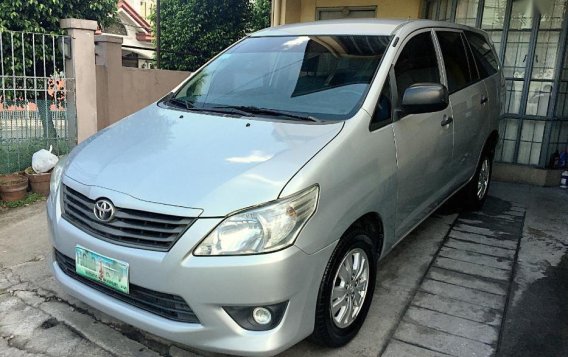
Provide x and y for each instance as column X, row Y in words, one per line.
column 472, row 65
column 417, row 63
column 383, row 111
column 455, row 60
column 483, row 53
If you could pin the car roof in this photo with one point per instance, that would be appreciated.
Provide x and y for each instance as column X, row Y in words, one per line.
column 370, row 27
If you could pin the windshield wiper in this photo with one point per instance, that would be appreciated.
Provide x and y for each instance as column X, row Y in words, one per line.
column 240, row 110
column 186, row 104
column 256, row 110
column 189, row 105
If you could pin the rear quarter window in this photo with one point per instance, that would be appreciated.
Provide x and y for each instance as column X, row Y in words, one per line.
column 483, row 53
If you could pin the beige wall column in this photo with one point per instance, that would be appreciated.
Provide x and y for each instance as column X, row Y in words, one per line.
column 82, row 68
column 108, row 59
column 276, row 8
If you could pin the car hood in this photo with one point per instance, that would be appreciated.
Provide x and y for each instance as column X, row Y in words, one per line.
column 215, row 163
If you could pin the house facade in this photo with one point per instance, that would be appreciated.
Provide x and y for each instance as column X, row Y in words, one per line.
column 136, row 32
column 531, row 39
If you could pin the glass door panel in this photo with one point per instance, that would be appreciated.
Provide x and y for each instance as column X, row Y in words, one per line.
column 466, row 12
column 516, row 54
column 521, row 15
column 445, row 10
column 431, row 10
column 496, row 37
column 545, row 54
column 553, row 12
column 530, row 144
column 493, row 19
column 513, row 99
column 508, row 134
column 517, row 51
column 538, row 98
column 562, row 99
column 493, row 14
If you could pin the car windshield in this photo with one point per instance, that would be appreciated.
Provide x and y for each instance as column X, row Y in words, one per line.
column 315, row 77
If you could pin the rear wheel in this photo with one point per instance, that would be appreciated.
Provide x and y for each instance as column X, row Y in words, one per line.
column 475, row 193
column 346, row 290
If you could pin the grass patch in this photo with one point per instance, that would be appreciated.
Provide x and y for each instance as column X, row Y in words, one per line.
column 30, row 198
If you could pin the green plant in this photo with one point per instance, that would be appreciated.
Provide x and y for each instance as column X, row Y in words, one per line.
column 28, row 200
column 261, row 10
column 193, row 31
column 43, row 15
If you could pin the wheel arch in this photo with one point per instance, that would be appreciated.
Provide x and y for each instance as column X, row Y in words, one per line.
column 372, row 223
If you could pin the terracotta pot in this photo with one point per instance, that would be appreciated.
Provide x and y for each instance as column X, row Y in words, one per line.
column 39, row 182
column 13, row 187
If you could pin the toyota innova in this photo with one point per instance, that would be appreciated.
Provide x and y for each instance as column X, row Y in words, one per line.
column 247, row 209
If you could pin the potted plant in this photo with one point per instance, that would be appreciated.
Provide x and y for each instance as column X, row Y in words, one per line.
column 13, row 187
column 39, row 181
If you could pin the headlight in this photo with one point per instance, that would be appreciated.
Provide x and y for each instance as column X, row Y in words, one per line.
column 56, row 175
column 262, row 229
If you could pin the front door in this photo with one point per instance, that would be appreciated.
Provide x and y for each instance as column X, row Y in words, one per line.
column 424, row 146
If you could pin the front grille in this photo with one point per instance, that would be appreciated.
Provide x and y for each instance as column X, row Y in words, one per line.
column 132, row 228
column 170, row 306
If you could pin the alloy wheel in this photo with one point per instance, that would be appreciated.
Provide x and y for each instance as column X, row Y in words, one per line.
column 349, row 288
column 483, row 179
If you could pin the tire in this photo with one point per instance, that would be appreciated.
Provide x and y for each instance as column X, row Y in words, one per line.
column 474, row 194
column 332, row 326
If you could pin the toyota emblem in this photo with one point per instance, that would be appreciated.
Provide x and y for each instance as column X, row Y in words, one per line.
column 104, row 210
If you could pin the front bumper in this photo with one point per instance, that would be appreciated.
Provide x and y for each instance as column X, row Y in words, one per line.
column 206, row 284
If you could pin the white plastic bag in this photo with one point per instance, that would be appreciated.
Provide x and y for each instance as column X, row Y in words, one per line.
column 43, row 160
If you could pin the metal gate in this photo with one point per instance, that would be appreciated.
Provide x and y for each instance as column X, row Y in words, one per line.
column 36, row 98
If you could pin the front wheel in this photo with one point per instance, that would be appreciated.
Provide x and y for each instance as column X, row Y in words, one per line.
column 475, row 193
column 346, row 290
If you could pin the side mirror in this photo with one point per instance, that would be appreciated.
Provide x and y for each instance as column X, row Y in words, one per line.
column 424, row 98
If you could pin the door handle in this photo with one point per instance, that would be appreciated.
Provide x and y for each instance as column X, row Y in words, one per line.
column 484, row 100
column 447, row 120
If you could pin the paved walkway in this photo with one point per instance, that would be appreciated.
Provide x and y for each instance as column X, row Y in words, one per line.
column 459, row 306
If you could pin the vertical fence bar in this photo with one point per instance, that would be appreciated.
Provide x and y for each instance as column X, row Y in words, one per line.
column 24, row 68
column 35, row 82
column 65, row 118
column 24, row 124
column 2, row 66
column 13, row 79
column 53, row 60
column 13, row 65
column 44, row 88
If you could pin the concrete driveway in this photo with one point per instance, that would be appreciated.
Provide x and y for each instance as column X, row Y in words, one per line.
column 463, row 284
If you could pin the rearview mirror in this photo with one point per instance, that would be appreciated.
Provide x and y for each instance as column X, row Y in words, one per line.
column 424, row 98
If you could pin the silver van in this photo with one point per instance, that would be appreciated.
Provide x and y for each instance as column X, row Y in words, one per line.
column 247, row 210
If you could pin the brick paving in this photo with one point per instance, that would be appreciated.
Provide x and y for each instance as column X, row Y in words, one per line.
column 459, row 306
